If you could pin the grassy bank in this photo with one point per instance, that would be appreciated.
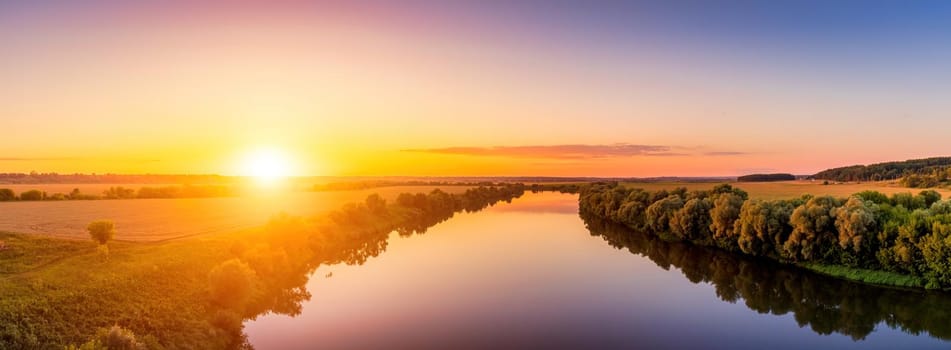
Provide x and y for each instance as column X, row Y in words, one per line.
column 57, row 292
column 882, row 278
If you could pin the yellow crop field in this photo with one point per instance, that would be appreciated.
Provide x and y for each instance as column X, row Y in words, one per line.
column 792, row 189
column 159, row 219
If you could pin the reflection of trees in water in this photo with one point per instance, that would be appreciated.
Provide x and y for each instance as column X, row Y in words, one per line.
column 291, row 248
column 827, row 305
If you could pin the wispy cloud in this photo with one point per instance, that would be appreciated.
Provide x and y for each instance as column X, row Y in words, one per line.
column 725, row 153
column 31, row 159
column 36, row 159
column 573, row 151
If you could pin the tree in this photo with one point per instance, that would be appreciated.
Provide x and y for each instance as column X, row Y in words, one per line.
column 632, row 212
column 7, row 194
column 659, row 213
column 854, row 221
column 929, row 197
column 232, row 284
column 32, row 195
column 723, row 216
column 376, row 204
column 856, row 224
column 763, row 226
column 101, row 231
column 118, row 192
column 908, row 201
column 692, row 222
column 873, row 196
column 813, row 230
column 112, row 338
column 936, row 251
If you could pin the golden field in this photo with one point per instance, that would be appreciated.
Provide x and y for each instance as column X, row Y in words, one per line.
column 792, row 189
column 161, row 219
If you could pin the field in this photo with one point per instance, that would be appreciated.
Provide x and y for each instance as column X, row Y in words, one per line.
column 792, row 189
column 161, row 219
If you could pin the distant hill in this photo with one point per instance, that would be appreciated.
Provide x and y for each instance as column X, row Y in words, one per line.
column 887, row 170
column 766, row 177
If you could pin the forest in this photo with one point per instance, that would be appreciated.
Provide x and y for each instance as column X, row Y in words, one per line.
column 766, row 177
column 902, row 239
column 926, row 167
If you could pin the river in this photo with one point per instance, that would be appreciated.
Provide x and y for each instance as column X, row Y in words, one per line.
column 534, row 274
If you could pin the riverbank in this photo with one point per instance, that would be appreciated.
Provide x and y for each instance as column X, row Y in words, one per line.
column 898, row 240
column 879, row 278
column 56, row 292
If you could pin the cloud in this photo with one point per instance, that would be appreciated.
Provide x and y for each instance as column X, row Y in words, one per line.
column 725, row 153
column 576, row 151
column 26, row 159
column 37, row 159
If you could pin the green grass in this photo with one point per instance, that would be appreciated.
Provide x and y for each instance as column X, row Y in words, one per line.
column 883, row 278
column 23, row 253
column 55, row 291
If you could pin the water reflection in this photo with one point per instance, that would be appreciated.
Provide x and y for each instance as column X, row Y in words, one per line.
column 291, row 248
column 826, row 305
column 527, row 275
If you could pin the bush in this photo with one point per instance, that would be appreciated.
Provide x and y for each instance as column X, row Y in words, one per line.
column 7, row 194
column 32, row 195
column 113, row 338
column 101, row 231
column 232, row 284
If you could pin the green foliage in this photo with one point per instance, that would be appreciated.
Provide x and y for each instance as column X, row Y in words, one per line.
column 874, row 197
column 903, row 234
column 660, row 214
column 763, row 227
column 886, row 171
column 32, row 195
column 118, row 192
column 112, row 338
column 101, row 231
column 929, row 197
column 723, row 216
column 868, row 276
column 766, row 177
column 7, row 195
column 693, row 221
column 232, row 285
column 908, row 201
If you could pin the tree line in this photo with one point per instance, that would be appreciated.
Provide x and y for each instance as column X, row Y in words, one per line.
column 902, row 234
column 77, row 178
column 120, row 192
column 766, row 177
column 887, row 170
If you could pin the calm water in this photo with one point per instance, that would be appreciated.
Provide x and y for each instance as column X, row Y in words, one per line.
column 533, row 274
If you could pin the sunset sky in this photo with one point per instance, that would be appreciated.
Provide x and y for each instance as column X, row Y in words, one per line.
column 484, row 88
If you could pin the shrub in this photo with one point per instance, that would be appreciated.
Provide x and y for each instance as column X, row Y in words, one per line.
column 232, row 284
column 112, row 338
column 101, row 231
column 32, row 195
column 7, row 194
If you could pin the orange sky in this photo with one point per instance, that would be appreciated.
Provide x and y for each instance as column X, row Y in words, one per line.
column 377, row 90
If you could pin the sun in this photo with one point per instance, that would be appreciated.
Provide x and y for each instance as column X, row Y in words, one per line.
column 267, row 165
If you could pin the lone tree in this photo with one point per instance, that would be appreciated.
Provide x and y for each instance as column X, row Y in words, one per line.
column 101, row 231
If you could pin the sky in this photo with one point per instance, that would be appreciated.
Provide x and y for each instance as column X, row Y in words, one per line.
column 557, row 88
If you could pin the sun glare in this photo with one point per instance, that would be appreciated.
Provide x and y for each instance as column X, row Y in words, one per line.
column 266, row 165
